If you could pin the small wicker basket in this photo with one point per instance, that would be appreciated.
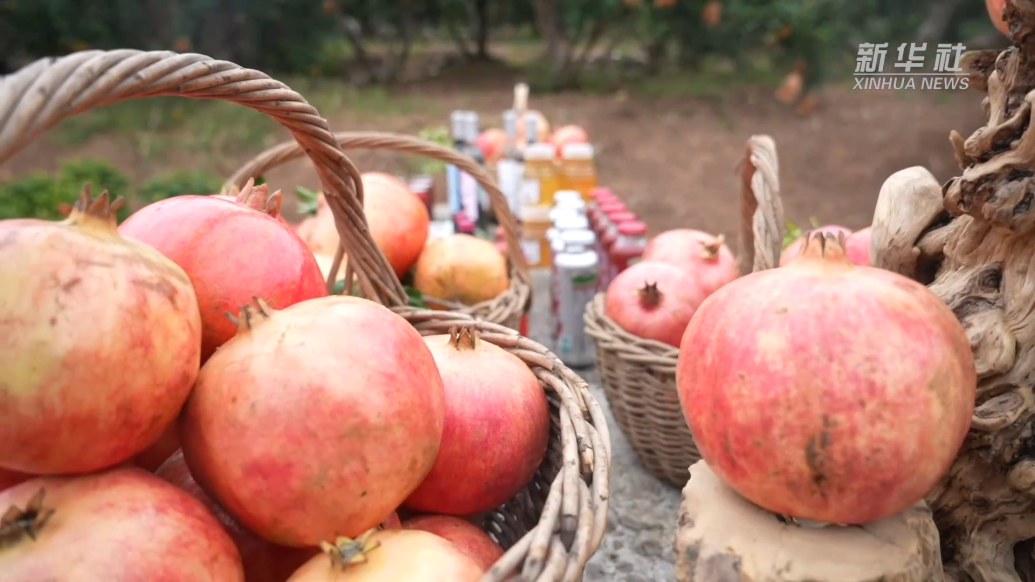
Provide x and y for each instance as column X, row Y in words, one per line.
column 506, row 309
column 639, row 375
column 553, row 526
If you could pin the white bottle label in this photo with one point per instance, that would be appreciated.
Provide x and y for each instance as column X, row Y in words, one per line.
column 532, row 251
column 508, row 174
column 530, row 192
column 575, row 289
column 469, row 195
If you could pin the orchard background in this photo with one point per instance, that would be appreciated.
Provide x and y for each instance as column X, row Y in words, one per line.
column 668, row 90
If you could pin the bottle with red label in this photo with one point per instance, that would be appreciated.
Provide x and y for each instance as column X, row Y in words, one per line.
column 608, row 238
column 600, row 225
column 598, row 196
column 629, row 246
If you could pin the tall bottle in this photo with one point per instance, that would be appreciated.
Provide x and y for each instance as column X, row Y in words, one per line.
column 486, row 219
column 511, row 167
column 468, row 186
column 458, row 133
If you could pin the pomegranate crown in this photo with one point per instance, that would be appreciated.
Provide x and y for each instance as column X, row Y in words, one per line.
column 251, row 315
column 650, row 295
column 710, row 250
column 463, row 337
column 259, row 198
column 347, row 551
column 97, row 209
column 827, row 246
column 18, row 523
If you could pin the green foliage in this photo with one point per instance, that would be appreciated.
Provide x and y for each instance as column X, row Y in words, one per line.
column 40, row 196
column 307, row 200
column 438, row 134
column 176, row 183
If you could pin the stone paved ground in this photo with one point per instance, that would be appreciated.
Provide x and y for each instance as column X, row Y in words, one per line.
column 641, row 522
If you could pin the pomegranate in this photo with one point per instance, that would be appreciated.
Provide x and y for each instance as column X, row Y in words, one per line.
column 315, row 421
column 491, row 143
column 119, row 525
column 263, row 561
column 461, row 268
column 9, row 478
column 99, row 342
column 467, row 537
column 794, row 249
column 712, row 13
column 857, row 247
column 995, row 12
column 232, row 252
column 827, row 391
column 397, row 218
column 566, row 135
column 703, row 255
column 391, row 555
column 496, row 429
column 653, row 301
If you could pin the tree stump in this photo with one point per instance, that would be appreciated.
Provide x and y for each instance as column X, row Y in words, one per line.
column 722, row 537
column 972, row 241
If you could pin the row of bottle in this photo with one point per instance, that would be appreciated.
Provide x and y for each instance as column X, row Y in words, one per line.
column 575, row 271
column 545, row 174
column 621, row 236
column 468, row 201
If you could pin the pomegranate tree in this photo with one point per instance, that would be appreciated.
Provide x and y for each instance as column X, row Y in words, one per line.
column 99, row 342
column 461, row 268
column 654, row 301
column 497, row 425
column 467, row 537
column 390, row 555
column 826, row 391
column 315, row 421
column 122, row 525
column 232, row 252
column 703, row 255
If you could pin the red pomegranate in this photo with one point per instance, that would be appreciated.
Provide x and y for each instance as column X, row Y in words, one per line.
column 826, row 391
column 703, row 255
column 9, row 478
column 857, row 247
column 794, row 249
column 122, row 525
column 568, row 134
column 397, row 218
column 232, row 252
column 263, row 561
column 315, row 421
column 653, row 301
column 391, row 556
column 99, row 342
column 491, row 143
column 995, row 12
column 467, row 537
column 496, row 429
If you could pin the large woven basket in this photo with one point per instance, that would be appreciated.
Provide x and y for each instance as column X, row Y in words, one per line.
column 553, row 526
column 506, row 309
column 639, row 375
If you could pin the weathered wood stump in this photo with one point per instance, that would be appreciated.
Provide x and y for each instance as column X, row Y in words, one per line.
column 722, row 537
column 972, row 241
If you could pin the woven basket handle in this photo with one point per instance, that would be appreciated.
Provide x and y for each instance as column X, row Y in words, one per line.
column 372, row 140
column 761, row 210
column 48, row 91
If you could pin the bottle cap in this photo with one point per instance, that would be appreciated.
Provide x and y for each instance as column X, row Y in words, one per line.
column 621, row 216
column 560, row 195
column 577, row 151
column 601, row 192
column 632, row 228
column 539, row 152
column 571, row 222
column 558, row 213
column 582, row 236
column 612, row 206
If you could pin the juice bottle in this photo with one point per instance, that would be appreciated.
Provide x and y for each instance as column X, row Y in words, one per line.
column 600, row 225
column 578, row 168
column 607, row 241
column 535, row 221
column 629, row 246
column 597, row 196
column 580, row 237
column 541, row 179
column 576, row 206
column 577, row 274
column 566, row 196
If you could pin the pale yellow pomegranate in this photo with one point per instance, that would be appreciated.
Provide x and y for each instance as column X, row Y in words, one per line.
column 461, row 268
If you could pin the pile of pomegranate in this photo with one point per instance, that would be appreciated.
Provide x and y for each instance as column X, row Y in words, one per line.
column 184, row 401
column 825, row 390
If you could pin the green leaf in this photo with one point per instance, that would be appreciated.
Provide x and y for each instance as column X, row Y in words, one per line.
column 260, row 180
column 814, row 222
column 791, row 234
column 339, row 288
column 416, row 297
column 307, row 200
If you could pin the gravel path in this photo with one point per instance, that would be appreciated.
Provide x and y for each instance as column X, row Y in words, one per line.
column 641, row 522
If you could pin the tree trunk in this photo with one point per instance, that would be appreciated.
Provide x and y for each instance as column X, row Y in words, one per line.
column 481, row 29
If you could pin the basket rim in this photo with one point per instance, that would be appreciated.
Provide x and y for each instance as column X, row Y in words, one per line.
column 611, row 336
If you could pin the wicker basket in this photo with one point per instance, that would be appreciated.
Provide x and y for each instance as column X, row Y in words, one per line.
column 506, row 309
column 639, row 375
column 553, row 526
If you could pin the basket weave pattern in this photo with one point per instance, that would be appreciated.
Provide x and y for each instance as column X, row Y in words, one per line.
column 553, row 526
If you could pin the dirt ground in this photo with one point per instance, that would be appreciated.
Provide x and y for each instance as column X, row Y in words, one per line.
column 671, row 158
